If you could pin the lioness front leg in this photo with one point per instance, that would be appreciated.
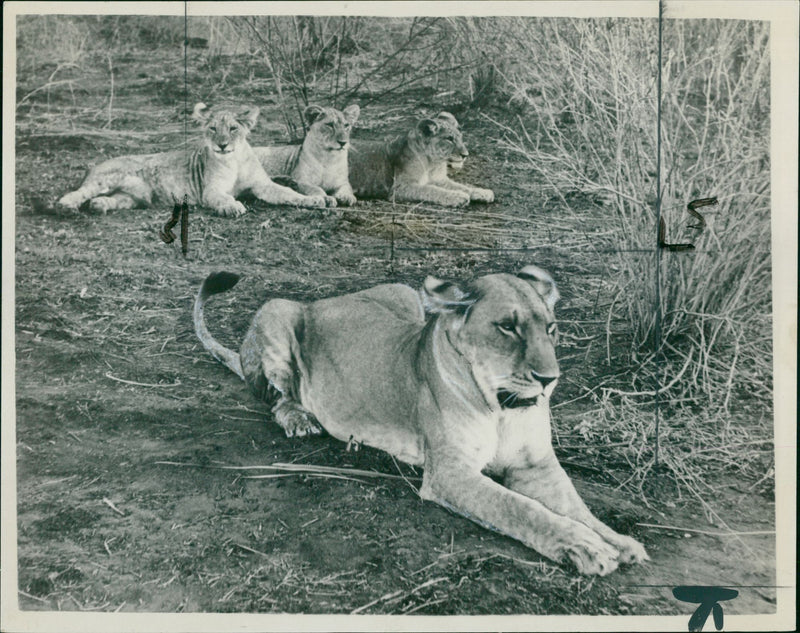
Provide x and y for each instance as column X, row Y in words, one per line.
column 475, row 496
column 547, row 482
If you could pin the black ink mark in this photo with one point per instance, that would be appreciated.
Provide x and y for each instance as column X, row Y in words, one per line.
column 662, row 239
column 180, row 212
column 695, row 204
column 708, row 599
column 701, row 224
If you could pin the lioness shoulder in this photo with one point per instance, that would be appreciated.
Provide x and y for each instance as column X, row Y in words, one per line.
column 320, row 165
column 213, row 175
column 456, row 377
column 413, row 167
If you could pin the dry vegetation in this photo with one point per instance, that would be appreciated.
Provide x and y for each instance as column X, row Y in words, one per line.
column 569, row 145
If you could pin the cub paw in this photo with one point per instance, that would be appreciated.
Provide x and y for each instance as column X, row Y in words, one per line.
column 232, row 209
column 346, row 200
column 456, row 200
column 590, row 553
column 296, row 421
column 71, row 201
column 102, row 205
column 317, row 202
column 482, row 195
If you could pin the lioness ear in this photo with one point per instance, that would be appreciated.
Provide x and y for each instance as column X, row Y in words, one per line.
column 248, row 117
column 442, row 296
column 351, row 113
column 428, row 127
column 448, row 117
column 542, row 282
column 201, row 112
column 312, row 113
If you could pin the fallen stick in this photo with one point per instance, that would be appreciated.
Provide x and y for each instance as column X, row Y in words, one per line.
column 705, row 532
column 140, row 384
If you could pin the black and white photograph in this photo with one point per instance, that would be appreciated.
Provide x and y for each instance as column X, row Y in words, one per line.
column 339, row 316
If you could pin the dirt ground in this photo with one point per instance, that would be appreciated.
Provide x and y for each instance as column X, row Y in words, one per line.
column 124, row 422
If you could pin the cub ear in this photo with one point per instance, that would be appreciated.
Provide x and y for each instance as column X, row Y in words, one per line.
column 542, row 282
column 351, row 113
column 312, row 113
column 428, row 127
column 248, row 117
column 446, row 116
column 442, row 296
column 201, row 112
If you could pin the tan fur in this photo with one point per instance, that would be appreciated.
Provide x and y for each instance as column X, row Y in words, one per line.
column 319, row 165
column 413, row 168
column 433, row 378
column 213, row 175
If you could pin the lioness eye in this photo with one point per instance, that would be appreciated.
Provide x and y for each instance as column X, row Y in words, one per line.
column 507, row 327
column 551, row 329
column 212, row 128
column 234, row 128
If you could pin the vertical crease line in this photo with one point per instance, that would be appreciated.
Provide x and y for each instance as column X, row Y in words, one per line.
column 657, row 328
column 185, row 77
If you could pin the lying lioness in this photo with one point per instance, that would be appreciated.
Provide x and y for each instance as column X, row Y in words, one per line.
column 455, row 378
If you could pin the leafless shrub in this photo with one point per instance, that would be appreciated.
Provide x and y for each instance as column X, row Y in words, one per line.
column 591, row 95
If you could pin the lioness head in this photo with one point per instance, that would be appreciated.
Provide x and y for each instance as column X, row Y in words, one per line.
column 224, row 129
column 505, row 327
column 440, row 139
column 330, row 128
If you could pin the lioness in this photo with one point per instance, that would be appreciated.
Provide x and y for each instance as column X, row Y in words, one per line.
column 212, row 175
column 319, row 165
column 455, row 378
column 413, row 167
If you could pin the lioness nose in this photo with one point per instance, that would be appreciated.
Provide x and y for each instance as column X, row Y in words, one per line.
column 342, row 143
column 543, row 380
column 222, row 146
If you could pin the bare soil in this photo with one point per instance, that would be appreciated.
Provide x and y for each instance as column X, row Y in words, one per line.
column 122, row 504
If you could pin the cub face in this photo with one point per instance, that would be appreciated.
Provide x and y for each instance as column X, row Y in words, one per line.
column 224, row 130
column 329, row 127
column 442, row 140
column 505, row 326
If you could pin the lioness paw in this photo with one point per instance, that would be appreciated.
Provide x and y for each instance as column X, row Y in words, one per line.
column 590, row 553
column 330, row 201
column 630, row 550
column 482, row 195
column 296, row 421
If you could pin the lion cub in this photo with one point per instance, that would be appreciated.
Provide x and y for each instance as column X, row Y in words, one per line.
column 454, row 377
column 319, row 165
column 413, row 167
column 213, row 175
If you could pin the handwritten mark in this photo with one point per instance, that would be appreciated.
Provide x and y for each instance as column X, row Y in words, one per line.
column 696, row 204
column 180, row 212
column 701, row 223
column 708, row 599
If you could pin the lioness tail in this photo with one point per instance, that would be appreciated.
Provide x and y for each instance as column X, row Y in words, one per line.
column 214, row 284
